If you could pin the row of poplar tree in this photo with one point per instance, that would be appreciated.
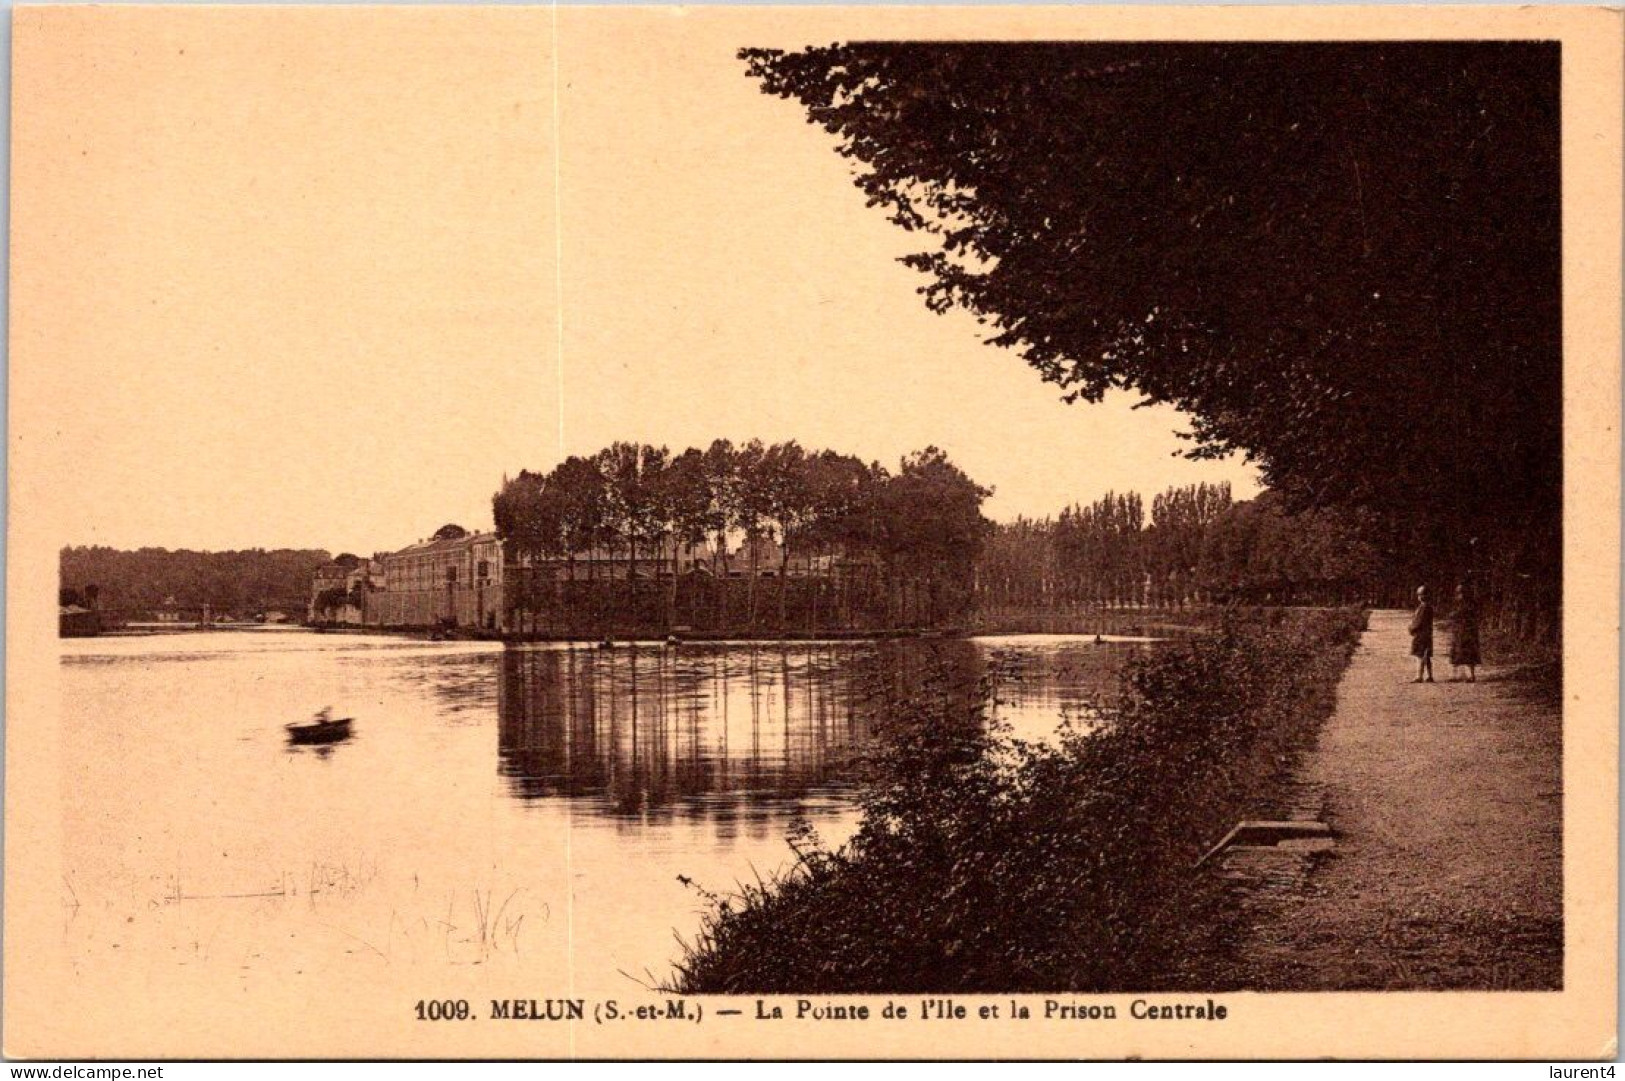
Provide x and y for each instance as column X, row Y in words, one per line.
column 1199, row 545
column 919, row 529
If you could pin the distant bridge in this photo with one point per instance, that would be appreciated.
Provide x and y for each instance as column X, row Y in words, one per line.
column 193, row 614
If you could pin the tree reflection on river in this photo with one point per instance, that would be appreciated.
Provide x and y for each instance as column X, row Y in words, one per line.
column 652, row 730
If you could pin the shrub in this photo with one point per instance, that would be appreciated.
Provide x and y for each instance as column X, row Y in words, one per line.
column 983, row 863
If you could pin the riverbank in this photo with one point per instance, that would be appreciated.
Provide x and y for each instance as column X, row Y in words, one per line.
column 469, row 634
column 1446, row 802
column 153, row 629
column 1126, row 626
column 1136, row 621
column 987, row 864
column 1124, row 622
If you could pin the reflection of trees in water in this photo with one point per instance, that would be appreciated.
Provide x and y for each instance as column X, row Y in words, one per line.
column 739, row 733
column 726, row 731
column 1078, row 682
column 462, row 681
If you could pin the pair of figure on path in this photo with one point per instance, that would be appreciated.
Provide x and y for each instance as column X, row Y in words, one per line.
column 1464, row 648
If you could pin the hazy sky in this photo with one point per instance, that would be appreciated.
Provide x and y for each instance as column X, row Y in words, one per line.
column 306, row 292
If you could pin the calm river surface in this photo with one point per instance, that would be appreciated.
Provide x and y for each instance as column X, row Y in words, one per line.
column 510, row 821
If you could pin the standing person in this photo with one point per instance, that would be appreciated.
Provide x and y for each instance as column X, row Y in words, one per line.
column 1422, row 636
column 1464, row 649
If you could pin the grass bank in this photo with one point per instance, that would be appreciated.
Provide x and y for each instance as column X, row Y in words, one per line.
column 986, row 864
column 1091, row 619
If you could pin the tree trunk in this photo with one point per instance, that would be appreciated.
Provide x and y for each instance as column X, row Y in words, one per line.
column 814, row 583
column 719, row 572
column 597, row 599
column 671, row 603
column 632, row 569
column 569, row 595
column 750, row 589
column 784, row 579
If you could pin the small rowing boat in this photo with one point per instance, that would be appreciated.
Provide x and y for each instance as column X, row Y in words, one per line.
column 324, row 728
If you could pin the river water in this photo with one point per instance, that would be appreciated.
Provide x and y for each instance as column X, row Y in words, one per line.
column 505, row 821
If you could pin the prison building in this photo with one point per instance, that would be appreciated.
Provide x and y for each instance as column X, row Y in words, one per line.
column 454, row 581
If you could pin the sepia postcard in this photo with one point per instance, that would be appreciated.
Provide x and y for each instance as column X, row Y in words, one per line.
column 813, row 532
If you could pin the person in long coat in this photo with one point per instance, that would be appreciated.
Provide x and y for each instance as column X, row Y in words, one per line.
column 1422, row 636
column 1464, row 647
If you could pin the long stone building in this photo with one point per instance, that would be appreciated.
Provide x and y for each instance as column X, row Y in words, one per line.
column 441, row 582
column 448, row 581
column 466, row 581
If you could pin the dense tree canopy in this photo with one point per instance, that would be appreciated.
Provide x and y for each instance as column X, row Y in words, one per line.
column 921, row 527
column 1199, row 546
column 242, row 582
column 1342, row 259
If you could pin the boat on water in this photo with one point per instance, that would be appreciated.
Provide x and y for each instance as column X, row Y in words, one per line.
column 323, row 728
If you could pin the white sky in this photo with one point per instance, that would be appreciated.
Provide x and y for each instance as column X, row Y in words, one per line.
column 306, row 294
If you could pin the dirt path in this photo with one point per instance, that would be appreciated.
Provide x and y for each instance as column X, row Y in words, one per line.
column 1446, row 802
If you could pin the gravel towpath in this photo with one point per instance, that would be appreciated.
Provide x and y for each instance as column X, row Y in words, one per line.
column 1447, row 805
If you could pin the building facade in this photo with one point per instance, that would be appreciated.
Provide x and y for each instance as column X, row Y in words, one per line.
column 339, row 591
column 654, row 561
column 448, row 582
column 468, row 582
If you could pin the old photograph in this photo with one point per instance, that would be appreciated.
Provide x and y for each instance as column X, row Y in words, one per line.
column 795, row 533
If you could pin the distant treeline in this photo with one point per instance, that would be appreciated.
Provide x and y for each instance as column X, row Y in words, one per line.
column 1198, row 545
column 237, row 582
column 911, row 536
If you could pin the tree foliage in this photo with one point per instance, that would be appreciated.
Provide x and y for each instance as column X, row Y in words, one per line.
column 136, row 582
column 1342, row 259
column 1198, row 547
column 921, row 526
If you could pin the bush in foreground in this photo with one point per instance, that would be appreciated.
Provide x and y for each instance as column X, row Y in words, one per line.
column 983, row 863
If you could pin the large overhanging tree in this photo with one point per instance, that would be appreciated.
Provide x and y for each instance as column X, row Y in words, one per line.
column 1341, row 259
